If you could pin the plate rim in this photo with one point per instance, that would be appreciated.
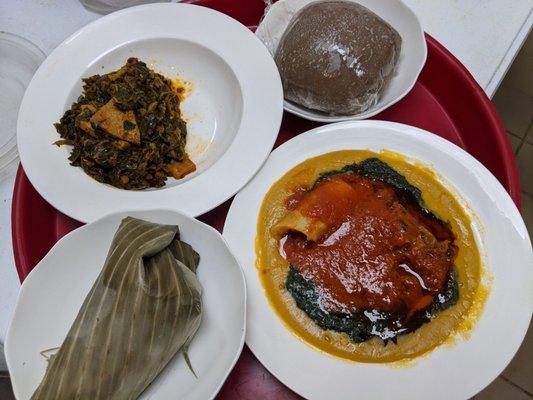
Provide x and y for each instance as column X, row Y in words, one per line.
column 242, row 142
column 229, row 233
column 138, row 213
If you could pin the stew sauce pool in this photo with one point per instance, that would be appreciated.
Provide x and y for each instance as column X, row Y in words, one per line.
column 378, row 252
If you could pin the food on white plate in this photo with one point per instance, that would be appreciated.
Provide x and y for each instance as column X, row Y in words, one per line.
column 368, row 257
column 145, row 306
column 337, row 57
column 126, row 128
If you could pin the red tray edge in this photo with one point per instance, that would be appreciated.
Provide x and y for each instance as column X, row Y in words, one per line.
column 21, row 262
column 509, row 160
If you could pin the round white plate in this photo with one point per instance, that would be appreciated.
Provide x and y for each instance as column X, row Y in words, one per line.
column 234, row 111
column 397, row 14
column 450, row 372
column 54, row 291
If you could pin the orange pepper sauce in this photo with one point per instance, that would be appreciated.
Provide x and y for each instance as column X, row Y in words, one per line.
column 375, row 254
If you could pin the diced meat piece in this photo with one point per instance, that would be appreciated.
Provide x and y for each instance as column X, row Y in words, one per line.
column 120, row 124
column 295, row 221
column 91, row 109
column 303, row 219
column 87, row 128
column 113, row 76
column 178, row 169
column 121, row 144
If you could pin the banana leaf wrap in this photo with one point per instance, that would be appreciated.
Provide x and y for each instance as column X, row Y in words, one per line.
column 144, row 307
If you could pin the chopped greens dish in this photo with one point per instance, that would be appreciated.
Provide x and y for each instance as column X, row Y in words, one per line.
column 127, row 130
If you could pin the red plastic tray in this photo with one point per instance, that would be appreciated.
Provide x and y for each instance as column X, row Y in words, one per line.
column 446, row 100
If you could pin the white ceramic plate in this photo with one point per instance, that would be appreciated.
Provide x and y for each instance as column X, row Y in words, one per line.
column 397, row 14
column 54, row 291
column 234, row 111
column 449, row 372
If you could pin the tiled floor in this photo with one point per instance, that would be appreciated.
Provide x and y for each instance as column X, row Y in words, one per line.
column 5, row 387
column 514, row 101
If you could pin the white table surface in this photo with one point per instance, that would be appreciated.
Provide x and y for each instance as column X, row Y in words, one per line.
column 484, row 34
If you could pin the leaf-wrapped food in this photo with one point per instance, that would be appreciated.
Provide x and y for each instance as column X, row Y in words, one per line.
column 143, row 308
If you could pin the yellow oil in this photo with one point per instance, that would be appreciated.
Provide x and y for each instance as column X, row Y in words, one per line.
column 182, row 88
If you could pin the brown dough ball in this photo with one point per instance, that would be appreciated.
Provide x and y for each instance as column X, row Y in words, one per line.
column 337, row 57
